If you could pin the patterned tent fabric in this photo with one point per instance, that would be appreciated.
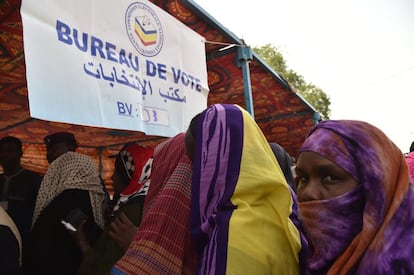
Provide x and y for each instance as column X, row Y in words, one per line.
column 283, row 116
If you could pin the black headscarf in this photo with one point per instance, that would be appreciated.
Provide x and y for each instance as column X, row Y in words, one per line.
column 285, row 162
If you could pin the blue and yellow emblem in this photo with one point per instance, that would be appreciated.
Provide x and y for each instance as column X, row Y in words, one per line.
column 144, row 29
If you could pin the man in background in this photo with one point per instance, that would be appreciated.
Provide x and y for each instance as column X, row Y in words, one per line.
column 18, row 186
column 71, row 183
column 59, row 143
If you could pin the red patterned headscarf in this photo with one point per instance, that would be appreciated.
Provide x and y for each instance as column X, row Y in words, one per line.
column 137, row 162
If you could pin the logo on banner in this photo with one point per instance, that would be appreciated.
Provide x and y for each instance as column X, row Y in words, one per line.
column 144, row 29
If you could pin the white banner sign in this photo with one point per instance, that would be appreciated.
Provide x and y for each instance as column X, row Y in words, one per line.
column 113, row 64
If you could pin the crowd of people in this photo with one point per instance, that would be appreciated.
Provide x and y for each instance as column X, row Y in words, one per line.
column 217, row 199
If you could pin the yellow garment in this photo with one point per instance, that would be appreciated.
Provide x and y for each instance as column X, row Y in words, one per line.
column 241, row 202
column 273, row 241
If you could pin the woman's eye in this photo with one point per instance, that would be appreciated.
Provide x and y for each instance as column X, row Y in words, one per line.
column 300, row 180
column 331, row 179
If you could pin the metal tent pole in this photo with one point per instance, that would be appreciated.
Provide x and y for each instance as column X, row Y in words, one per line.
column 244, row 55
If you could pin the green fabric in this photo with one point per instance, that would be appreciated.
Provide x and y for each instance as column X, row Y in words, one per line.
column 100, row 258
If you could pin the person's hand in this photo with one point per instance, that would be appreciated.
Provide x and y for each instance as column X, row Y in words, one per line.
column 80, row 237
column 122, row 230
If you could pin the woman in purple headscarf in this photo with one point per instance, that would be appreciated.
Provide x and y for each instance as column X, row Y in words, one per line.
column 356, row 201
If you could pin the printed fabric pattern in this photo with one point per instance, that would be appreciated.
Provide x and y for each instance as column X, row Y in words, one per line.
column 71, row 171
column 162, row 244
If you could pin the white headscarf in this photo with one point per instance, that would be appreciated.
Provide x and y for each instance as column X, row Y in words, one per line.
column 7, row 221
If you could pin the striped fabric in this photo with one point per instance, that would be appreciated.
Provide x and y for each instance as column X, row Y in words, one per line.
column 162, row 245
column 241, row 202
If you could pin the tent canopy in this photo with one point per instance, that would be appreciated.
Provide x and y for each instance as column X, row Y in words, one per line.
column 282, row 114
